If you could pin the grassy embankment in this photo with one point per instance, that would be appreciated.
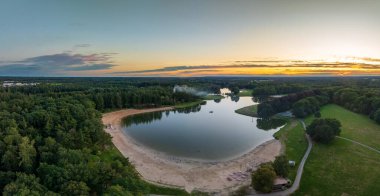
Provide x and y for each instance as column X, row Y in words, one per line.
column 194, row 103
column 342, row 167
column 248, row 111
column 188, row 104
column 292, row 136
column 183, row 105
column 245, row 93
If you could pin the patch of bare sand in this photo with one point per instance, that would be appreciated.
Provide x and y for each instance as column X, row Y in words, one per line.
column 218, row 177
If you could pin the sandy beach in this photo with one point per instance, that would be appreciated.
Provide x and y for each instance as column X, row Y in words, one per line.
column 155, row 167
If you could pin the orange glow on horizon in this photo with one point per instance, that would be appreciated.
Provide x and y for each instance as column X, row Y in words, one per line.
column 335, row 66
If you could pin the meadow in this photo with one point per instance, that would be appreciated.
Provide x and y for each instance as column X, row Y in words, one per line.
column 248, row 111
column 292, row 136
column 342, row 167
column 245, row 93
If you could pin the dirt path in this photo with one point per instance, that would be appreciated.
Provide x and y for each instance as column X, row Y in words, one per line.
column 216, row 177
column 353, row 141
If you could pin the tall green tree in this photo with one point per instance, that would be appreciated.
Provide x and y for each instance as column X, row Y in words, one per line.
column 281, row 166
column 263, row 178
column 27, row 154
column 324, row 130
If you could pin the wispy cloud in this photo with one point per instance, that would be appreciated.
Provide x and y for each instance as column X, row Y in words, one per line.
column 204, row 67
column 69, row 63
column 57, row 64
column 274, row 67
column 91, row 67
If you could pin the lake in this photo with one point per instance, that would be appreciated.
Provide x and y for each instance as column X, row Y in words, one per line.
column 209, row 132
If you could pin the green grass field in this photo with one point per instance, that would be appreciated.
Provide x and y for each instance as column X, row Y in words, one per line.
column 342, row 167
column 245, row 93
column 293, row 137
column 354, row 126
column 248, row 111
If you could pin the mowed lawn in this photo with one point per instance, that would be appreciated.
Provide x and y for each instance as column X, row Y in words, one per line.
column 354, row 126
column 342, row 167
column 245, row 93
column 248, row 110
column 293, row 137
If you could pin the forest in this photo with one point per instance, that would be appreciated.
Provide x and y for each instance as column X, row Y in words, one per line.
column 52, row 140
column 360, row 96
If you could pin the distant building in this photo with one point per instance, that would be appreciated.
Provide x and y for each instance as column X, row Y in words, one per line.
column 7, row 84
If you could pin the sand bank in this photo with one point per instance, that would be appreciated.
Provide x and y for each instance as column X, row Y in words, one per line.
column 219, row 177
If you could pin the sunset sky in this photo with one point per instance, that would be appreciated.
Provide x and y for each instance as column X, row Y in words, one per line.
column 189, row 38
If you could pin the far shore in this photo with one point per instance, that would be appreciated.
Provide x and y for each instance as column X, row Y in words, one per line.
column 220, row 177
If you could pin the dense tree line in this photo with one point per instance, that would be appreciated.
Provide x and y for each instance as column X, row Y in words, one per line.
column 277, row 89
column 282, row 104
column 269, row 123
column 361, row 100
column 112, row 98
column 147, row 118
column 309, row 105
column 106, row 99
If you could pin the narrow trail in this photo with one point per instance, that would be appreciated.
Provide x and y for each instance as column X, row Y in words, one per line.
column 297, row 181
column 353, row 141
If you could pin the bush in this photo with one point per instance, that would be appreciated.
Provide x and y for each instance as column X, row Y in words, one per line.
column 262, row 178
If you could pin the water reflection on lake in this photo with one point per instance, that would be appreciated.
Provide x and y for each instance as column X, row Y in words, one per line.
column 209, row 132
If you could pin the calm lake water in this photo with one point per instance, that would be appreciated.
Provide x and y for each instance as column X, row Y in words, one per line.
column 197, row 134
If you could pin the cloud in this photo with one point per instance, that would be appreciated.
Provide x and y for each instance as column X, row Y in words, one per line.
column 200, row 71
column 367, row 59
column 205, row 67
column 91, row 67
column 297, row 66
column 181, row 68
column 18, row 69
column 63, row 59
column 271, row 61
column 57, row 64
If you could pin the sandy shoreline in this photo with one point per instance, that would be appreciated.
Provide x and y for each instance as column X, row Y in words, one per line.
column 220, row 177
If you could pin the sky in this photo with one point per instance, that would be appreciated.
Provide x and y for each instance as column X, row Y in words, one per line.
column 189, row 38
